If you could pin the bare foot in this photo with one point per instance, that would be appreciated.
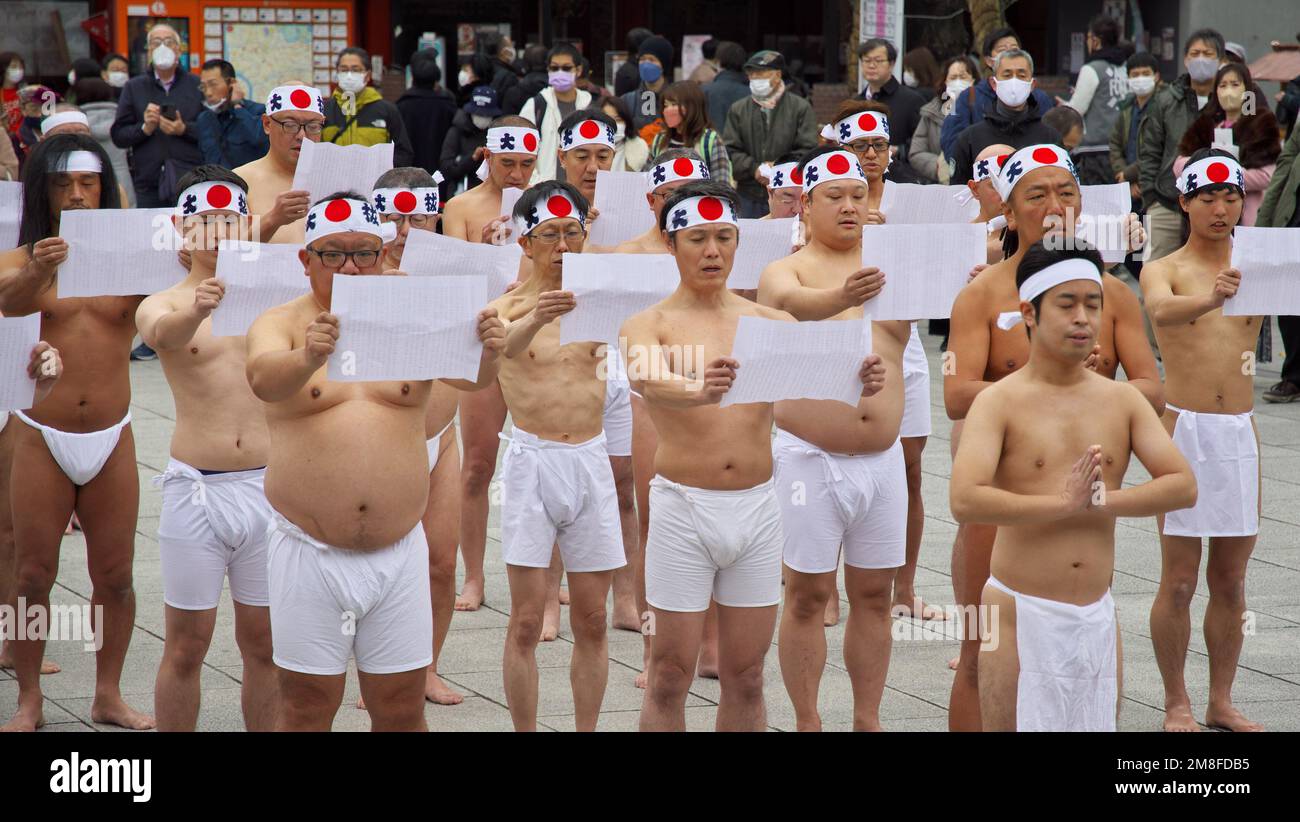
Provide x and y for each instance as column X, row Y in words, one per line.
column 832, row 616
column 1179, row 718
column 48, row 666
column 626, row 617
column 904, row 610
column 564, row 596
column 1228, row 718
column 361, row 704
column 470, row 597
column 117, row 712
column 551, row 621
column 952, row 663
column 707, row 667
column 642, row 679
column 439, row 692
column 25, row 719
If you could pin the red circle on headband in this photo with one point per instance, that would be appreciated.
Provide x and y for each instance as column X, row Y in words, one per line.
column 404, row 201
column 300, row 98
column 867, row 122
column 1044, row 155
column 1217, row 172
column 530, row 141
column 218, row 196
column 589, row 129
column 338, row 211
column 837, row 164
column 559, row 206
column 683, row 167
column 1002, row 159
column 796, row 176
column 710, row 208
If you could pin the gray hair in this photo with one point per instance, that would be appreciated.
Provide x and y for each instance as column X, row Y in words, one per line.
column 1012, row 53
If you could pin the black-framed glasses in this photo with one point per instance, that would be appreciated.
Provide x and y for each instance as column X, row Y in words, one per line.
column 364, row 258
column 416, row 220
column 170, row 42
column 292, row 127
column 863, row 146
column 552, row 237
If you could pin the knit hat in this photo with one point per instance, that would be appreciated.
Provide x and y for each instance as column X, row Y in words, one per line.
column 660, row 48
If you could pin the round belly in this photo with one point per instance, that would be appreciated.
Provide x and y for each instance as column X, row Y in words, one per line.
column 839, row 428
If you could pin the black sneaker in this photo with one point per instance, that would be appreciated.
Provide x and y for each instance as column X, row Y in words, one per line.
column 1284, row 391
column 143, row 353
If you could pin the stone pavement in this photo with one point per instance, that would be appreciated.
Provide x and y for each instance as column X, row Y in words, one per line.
column 916, row 698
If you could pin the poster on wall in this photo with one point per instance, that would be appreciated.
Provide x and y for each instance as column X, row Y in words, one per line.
column 467, row 35
column 692, row 53
column 265, row 55
column 882, row 18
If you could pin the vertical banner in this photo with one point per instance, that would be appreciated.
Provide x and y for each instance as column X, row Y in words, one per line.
column 882, row 18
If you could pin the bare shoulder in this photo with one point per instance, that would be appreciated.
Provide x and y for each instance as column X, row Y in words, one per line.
column 750, row 308
column 1116, row 291
column 14, row 258
column 512, row 305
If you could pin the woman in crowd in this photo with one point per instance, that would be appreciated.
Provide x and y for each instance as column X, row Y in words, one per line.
column 687, row 124
column 925, row 154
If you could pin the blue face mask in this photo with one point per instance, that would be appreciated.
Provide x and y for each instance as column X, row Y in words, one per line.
column 650, row 72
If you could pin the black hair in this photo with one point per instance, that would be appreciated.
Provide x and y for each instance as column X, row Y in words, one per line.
column 1142, row 59
column 635, row 37
column 891, row 51
column 489, row 42
column 528, row 200
column 620, row 108
column 1063, row 119
column 731, row 56
column 424, row 69
column 1038, row 256
column 84, row 67
column 1209, row 37
column 994, row 36
column 37, row 222
column 227, row 70
column 341, row 195
column 592, row 113
column 709, row 48
column 355, row 51
column 535, row 58
column 1185, row 222
column 564, row 48
column 405, row 177
column 481, row 65
column 1104, row 28
column 108, row 58
column 92, row 89
column 210, row 173
column 697, row 188
column 512, row 120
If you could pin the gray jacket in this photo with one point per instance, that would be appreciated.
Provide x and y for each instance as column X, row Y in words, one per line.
column 925, row 150
column 101, row 116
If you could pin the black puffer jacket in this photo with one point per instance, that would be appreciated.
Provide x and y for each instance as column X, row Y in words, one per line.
column 1000, row 125
column 458, row 161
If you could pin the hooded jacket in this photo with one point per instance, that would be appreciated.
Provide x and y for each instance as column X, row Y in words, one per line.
column 378, row 121
column 1000, row 125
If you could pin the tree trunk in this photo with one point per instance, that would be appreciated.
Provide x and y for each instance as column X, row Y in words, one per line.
column 985, row 16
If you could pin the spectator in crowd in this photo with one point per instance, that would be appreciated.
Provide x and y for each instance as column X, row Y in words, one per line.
column 921, row 72
column 157, row 115
column 1167, row 117
column 926, row 153
column 1013, row 118
column 587, row 84
column 630, row 152
column 82, row 68
column 1280, row 208
column 533, row 81
column 115, row 72
column 427, row 111
column 729, row 85
column 970, row 107
column 1143, row 78
column 95, row 99
column 1235, row 53
column 501, row 51
column 687, row 126
column 1102, row 83
column 230, row 128
column 561, row 98
column 708, row 67
column 9, row 167
column 792, row 77
column 14, row 72
column 35, row 102
column 1288, row 104
column 628, row 77
column 765, row 127
column 1069, row 124
column 462, row 148
column 477, row 71
column 356, row 114
column 654, row 65
column 876, row 59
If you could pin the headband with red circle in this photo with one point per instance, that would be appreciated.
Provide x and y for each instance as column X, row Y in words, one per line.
column 342, row 215
column 670, row 171
column 701, row 210
column 833, row 165
column 587, row 133
column 989, row 166
column 782, row 175
column 295, row 98
column 555, row 207
column 401, row 200
column 512, row 140
column 201, row 198
column 1211, row 171
column 1027, row 159
column 857, row 126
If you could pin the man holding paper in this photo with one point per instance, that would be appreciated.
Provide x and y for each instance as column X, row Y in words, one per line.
column 348, row 481
column 76, row 445
column 715, row 531
column 671, row 169
column 557, row 484
column 215, row 514
column 294, row 112
column 1040, row 195
column 845, row 462
column 586, row 146
column 1210, row 417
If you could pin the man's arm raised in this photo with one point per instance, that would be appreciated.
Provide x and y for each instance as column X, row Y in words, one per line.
column 550, row 305
column 652, row 377
column 1172, row 485
column 1167, row 308
column 968, row 352
column 165, row 328
column 276, row 370
column 290, row 206
column 779, row 288
column 23, row 278
column 1131, row 346
column 492, row 333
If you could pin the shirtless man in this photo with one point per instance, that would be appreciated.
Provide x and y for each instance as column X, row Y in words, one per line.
column 348, row 481
column 68, row 119
column 214, row 515
column 408, row 198
column 987, row 164
column 784, row 191
column 510, row 154
column 294, row 113
column 715, row 531
column 847, row 462
column 1043, row 458
column 674, row 167
column 1211, row 397
column 77, row 445
column 1039, row 189
column 557, row 484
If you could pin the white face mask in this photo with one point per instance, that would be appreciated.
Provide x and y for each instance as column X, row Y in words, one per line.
column 1013, row 92
column 463, row 78
column 1141, row 86
column 956, row 87
column 481, row 121
column 164, row 58
column 909, row 79
column 620, row 134
column 117, row 79
column 14, row 75
column 72, row 77
column 761, row 89
column 352, row 81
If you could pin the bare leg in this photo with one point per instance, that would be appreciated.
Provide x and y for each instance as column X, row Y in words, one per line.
column 674, row 648
column 744, row 636
column 589, row 665
column 396, row 700
column 801, row 645
column 644, row 442
column 906, row 602
column 976, row 543
column 1225, row 576
column 441, row 516
column 708, row 664
column 259, row 695
column 8, row 560
column 551, row 613
column 482, row 415
column 1171, row 624
column 629, row 603
column 867, row 640
column 176, row 689
column 999, row 665
column 519, row 666
column 309, row 702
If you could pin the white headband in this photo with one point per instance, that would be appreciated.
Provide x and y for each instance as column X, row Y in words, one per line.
column 75, row 161
column 62, row 119
column 213, row 195
column 407, row 200
column 342, row 215
column 512, row 140
column 782, row 175
column 554, row 207
column 857, row 126
column 983, row 169
column 587, row 133
column 670, row 171
column 700, row 211
column 833, row 165
column 295, row 98
column 1075, row 268
column 1211, row 171
column 1027, row 159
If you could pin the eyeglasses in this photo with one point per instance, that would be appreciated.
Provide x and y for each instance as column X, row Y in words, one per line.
column 863, row 146
column 335, row 259
column 170, row 42
column 416, row 220
column 571, row 236
column 292, row 127
column 875, row 61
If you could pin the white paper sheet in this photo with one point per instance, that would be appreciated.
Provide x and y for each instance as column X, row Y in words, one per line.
column 258, row 277
column 18, row 336
column 610, row 288
column 624, row 213
column 119, row 252
column 911, row 203
column 1104, row 207
column 509, row 197
column 789, row 361
column 324, row 168
column 1269, row 262
column 761, row 242
column 11, row 213
column 924, row 265
column 406, row 328
column 429, row 254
